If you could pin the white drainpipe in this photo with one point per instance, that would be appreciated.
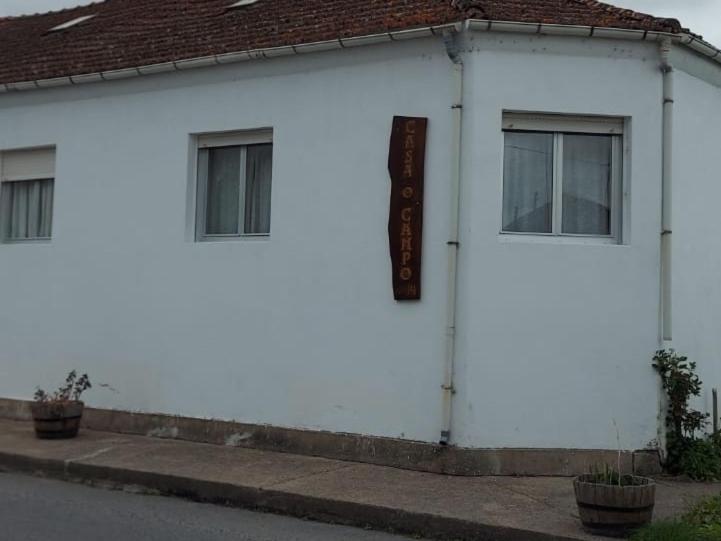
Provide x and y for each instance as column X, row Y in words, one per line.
column 450, row 40
column 667, row 189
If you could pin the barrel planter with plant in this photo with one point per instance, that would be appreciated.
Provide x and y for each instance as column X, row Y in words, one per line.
column 614, row 505
column 57, row 415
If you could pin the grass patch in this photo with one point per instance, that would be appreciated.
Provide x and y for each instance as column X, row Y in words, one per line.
column 706, row 513
column 672, row 531
column 701, row 523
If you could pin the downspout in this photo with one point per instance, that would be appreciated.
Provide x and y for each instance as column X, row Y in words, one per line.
column 451, row 42
column 667, row 195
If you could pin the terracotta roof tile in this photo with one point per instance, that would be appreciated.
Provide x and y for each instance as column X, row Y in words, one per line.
column 131, row 33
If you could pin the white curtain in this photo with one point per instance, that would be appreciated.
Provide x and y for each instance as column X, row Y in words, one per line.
column 223, row 190
column 258, row 179
column 528, row 182
column 29, row 208
column 587, row 184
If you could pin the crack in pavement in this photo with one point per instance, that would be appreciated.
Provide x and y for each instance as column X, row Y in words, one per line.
column 309, row 475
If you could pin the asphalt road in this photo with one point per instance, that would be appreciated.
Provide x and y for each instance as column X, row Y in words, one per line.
column 34, row 509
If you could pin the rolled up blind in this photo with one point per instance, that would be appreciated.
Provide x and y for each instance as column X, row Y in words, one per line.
column 32, row 164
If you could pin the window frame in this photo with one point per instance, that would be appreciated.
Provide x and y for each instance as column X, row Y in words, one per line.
column 209, row 141
column 558, row 126
column 5, row 205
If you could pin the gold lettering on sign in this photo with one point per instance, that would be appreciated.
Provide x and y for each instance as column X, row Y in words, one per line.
column 409, row 145
column 406, row 243
column 409, row 156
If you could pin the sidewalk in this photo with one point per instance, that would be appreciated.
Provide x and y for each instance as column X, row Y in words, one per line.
column 488, row 508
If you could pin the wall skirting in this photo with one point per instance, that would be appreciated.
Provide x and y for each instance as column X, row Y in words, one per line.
column 391, row 452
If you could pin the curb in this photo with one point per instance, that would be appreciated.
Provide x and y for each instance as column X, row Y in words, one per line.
column 273, row 501
column 381, row 451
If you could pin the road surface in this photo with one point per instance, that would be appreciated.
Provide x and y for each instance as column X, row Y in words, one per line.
column 35, row 509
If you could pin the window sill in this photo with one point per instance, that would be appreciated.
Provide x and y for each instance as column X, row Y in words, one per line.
column 44, row 240
column 540, row 238
column 232, row 238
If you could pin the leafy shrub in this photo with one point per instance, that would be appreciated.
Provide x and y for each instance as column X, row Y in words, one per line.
column 699, row 458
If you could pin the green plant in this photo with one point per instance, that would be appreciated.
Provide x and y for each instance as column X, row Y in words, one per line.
column 701, row 523
column 699, row 458
column 673, row 531
column 73, row 388
column 706, row 514
column 605, row 475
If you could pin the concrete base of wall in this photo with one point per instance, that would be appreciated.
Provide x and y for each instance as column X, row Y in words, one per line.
column 410, row 455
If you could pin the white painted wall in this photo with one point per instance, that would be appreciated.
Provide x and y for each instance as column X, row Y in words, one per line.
column 556, row 339
column 697, row 225
column 300, row 330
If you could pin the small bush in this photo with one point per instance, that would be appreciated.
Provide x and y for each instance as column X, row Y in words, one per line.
column 701, row 460
column 697, row 457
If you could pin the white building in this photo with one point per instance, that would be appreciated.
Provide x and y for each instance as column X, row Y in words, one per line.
column 209, row 236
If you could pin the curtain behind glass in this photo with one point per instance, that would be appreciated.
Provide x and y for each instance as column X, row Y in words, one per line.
column 29, row 207
column 587, row 184
column 528, row 182
column 259, row 165
column 223, row 191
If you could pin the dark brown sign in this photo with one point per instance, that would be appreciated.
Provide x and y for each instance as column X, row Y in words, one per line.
column 406, row 164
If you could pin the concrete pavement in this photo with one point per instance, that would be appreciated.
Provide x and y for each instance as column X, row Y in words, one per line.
column 486, row 508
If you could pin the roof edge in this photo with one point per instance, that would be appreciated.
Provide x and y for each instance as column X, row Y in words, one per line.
column 686, row 39
column 232, row 57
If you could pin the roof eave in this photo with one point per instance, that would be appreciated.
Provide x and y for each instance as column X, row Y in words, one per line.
column 686, row 39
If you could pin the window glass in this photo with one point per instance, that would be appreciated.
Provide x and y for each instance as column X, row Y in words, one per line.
column 587, row 184
column 223, row 191
column 234, row 188
column 528, row 182
column 28, row 209
column 259, row 165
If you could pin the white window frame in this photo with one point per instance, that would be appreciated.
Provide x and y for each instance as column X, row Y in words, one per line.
column 558, row 126
column 41, row 173
column 219, row 140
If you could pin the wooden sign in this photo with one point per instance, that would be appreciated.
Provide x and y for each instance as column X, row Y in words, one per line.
column 406, row 164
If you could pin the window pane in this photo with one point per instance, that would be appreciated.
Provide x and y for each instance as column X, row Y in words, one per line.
column 587, row 184
column 29, row 207
column 223, row 191
column 259, row 166
column 528, row 182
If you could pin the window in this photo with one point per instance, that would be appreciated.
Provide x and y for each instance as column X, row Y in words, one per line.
column 562, row 175
column 26, row 194
column 234, row 185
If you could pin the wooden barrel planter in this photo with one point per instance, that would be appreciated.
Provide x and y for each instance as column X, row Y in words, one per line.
column 612, row 510
column 57, row 420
